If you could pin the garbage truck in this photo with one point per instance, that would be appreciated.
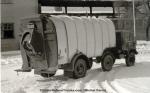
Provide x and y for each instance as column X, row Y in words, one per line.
column 71, row 43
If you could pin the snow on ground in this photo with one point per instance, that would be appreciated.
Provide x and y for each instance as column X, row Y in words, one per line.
column 120, row 79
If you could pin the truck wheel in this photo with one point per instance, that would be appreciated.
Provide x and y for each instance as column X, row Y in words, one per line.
column 130, row 59
column 80, row 68
column 107, row 62
column 46, row 75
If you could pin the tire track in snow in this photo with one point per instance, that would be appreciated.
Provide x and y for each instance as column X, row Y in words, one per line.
column 53, row 83
column 110, row 76
column 93, row 77
column 83, row 83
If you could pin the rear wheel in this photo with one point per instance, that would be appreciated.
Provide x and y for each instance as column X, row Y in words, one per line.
column 130, row 59
column 80, row 68
column 107, row 62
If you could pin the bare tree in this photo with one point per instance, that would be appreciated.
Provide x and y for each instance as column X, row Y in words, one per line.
column 142, row 9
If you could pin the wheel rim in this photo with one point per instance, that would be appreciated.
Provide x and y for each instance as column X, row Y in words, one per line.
column 80, row 67
column 108, row 62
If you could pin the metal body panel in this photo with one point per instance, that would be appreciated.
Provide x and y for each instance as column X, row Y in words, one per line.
column 81, row 35
column 61, row 40
column 71, row 35
column 105, row 32
column 112, row 36
column 98, row 37
column 90, row 37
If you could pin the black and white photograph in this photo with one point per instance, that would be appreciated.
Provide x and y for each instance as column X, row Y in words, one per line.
column 75, row 46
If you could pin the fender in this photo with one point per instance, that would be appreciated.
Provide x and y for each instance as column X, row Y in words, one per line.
column 70, row 66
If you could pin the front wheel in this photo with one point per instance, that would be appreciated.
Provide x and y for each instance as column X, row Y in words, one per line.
column 80, row 68
column 107, row 62
column 130, row 59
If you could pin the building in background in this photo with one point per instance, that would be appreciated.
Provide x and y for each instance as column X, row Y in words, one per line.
column 11, row 13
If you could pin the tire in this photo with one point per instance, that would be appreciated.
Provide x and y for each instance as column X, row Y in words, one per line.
column 80, row 68
column 130, row 59
column 46, row 75
column 107, row 62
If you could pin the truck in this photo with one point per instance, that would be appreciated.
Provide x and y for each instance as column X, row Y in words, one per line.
column 71, row 43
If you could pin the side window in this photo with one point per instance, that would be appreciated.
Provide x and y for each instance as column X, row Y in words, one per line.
column 7, row 30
